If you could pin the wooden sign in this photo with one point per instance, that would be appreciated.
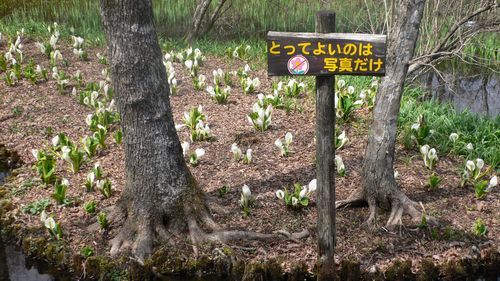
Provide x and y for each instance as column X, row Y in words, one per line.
column 325, row 54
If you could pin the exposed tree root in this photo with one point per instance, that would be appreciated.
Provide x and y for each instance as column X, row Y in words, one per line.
column 400, row 204
column 140, row 234
column 357, row 198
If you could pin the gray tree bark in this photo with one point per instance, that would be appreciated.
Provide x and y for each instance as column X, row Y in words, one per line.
column 199, row 15
column 159, row 191
column 160, row 197
column 379, row 188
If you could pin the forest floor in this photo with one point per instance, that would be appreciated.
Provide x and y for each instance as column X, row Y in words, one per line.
column 32, row 114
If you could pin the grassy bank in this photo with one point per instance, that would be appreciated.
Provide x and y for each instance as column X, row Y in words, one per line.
column 483, row 133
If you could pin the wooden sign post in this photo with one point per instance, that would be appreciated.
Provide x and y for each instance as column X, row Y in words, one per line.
column 324, row 54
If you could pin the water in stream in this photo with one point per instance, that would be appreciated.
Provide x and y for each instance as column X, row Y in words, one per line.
column 14, row 266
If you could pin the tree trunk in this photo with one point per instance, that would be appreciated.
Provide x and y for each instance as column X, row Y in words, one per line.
column 379, row 188
column 199, row 15
column 159, row 193
column 161, row 197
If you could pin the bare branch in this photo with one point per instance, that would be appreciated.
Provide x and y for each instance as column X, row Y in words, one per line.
column 453, row 42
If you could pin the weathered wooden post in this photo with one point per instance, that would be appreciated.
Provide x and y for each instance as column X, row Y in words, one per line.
column 325, row 154
column 324, row 54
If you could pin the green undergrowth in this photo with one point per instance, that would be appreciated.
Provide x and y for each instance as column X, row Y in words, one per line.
column 482, row 132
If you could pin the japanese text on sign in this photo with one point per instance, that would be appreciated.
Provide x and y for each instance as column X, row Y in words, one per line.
column 325, row 54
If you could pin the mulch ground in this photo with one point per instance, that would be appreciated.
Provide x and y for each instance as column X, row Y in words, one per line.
column 32, row 114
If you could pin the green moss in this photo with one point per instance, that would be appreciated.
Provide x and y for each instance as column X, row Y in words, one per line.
column 274, row 270
column 299, row 272
column 56, row 253
column 453, row 270
column 3, row 192
column 254, row 271
column 99, row 267
column 490, row 264
column 34, row 246
column 400, row 270
column 350, row 270
column 428, row 271
column 237, row 269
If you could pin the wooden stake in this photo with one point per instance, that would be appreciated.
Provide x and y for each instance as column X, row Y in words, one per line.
column 325, row 156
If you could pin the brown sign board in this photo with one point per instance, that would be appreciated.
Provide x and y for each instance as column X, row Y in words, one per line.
column 324, row 54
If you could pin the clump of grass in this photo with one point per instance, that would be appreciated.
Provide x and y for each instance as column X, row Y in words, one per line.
column 443, row 120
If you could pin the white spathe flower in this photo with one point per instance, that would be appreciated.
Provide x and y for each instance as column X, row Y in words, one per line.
column 432, row 154
column 185, row 148
column 245, row 190
column 256, row 82
column 312, row 186
column 88, row 119
column 470, row 146
column 58, row 55
column 178, row 127
column 453, row 137
column 362, row 94
column 34, row 152
column 470, row 165
column 396, row 174
column 415, row 126
column 199, row 152
column 342, row 137
column 211, row 90
column 493, row 183
column 278, row 143
column 249, row 155
column 350, row 90
column 43, row 216
column 55, row 140
column 288, row 138
column 479, row 163
column 303, row 192
column 189, row 64
column 77, row 41
column 91, row 177
column 341, row 83
column 279, row 87
column 236, row 151
column 197, row 52
column 247, row 68
column 339, row 163
column 99, row 184
column 65, row 153
column 53, row 40
column 424, row 149
column 280, row 194
column 295, row 201
column 41, row 47
column 65, row 182
column 50, row 223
